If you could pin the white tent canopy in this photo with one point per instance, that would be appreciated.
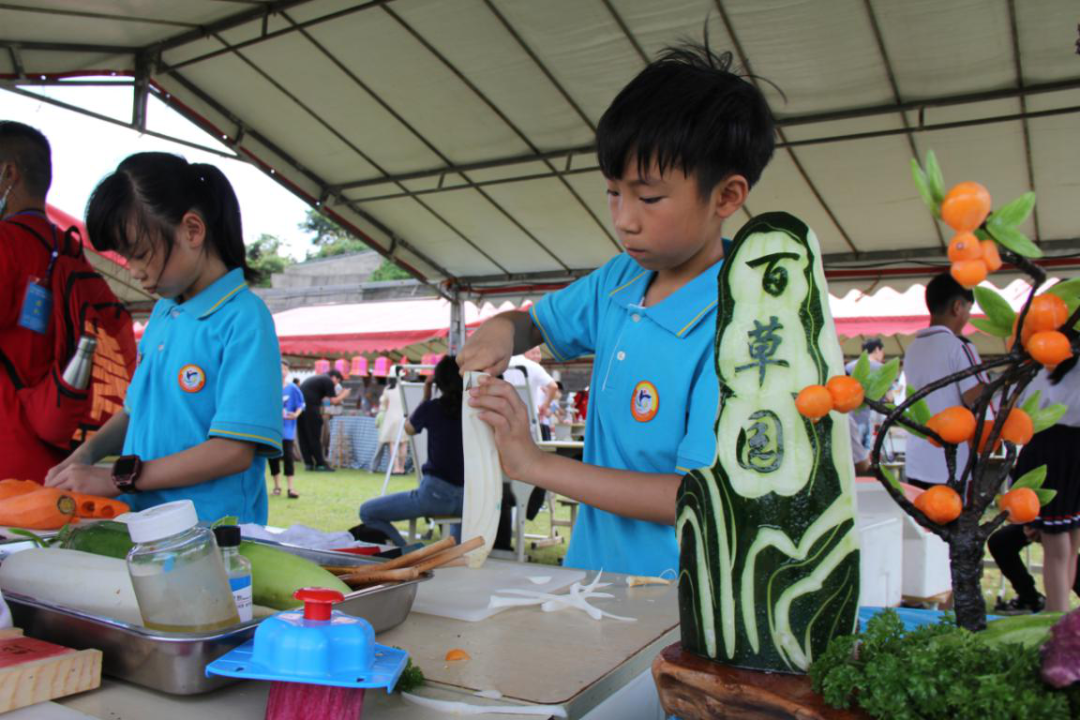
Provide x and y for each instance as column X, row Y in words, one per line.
column 456, row 135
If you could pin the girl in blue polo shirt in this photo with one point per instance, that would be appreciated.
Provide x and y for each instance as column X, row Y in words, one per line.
column 203, row 410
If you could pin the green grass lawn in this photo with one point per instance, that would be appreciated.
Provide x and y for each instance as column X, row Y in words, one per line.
column 330, row 502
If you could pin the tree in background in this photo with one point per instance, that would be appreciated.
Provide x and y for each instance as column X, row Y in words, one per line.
column 331, row 239
column 265, row 258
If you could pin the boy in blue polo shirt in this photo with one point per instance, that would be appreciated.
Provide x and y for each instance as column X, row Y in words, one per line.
column 680, row 147
column 203, row 410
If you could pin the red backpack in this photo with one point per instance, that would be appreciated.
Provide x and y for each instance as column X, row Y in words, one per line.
column 83, row 304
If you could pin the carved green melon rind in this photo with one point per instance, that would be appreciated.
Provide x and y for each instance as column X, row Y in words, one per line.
column 769, row 564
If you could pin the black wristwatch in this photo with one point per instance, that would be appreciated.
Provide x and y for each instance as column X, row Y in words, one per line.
column 125, row 473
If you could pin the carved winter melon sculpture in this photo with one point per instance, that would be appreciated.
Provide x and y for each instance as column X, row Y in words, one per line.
column 769, row 561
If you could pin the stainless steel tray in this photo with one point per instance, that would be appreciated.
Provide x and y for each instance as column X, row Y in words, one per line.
column 175, row 662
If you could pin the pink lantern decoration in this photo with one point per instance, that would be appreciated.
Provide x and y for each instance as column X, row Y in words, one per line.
column 382, row 366
column 342, row 367
column 359, row 366
column 322, row 366
column 430, row 359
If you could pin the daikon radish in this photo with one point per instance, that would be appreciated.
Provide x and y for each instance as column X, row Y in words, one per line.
column 81, row 581
column 483, row 478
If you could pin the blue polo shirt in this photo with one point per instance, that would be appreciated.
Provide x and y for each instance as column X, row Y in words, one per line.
column 652, row 400
column 292, row 400
column 208, row 367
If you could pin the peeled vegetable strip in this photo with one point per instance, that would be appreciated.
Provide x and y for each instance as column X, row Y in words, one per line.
column 483, row 479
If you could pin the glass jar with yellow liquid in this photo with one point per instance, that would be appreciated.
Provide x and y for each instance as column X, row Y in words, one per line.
column 177, row 572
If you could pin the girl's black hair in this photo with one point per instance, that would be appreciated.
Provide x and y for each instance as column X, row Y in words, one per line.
column 448, row 380
column 146, row 198
column 687, row 110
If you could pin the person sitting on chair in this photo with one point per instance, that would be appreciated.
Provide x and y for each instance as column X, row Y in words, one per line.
column 441, row 490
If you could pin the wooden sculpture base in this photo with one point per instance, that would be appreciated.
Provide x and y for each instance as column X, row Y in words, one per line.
column 693, row 688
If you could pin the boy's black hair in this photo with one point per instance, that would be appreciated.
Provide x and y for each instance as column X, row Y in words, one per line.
column 28, row 148
column 335, row 373
column 687, row 110
column 149, row 194
column 943, row 291
column 872, row 345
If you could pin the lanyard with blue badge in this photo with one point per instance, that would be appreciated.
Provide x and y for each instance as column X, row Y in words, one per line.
column 38, row 299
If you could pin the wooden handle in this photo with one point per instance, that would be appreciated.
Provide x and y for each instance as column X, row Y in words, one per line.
column 378, row 575
column 401, row 561
column 451, row 554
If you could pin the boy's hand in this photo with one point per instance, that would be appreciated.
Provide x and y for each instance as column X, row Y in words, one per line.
column 489, row 349
column 502, row 409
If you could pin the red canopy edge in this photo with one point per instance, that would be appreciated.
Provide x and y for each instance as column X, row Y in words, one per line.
column 355, row 342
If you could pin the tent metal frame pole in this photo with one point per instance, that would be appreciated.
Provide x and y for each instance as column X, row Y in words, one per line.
column 96, row 16
column 455, row 339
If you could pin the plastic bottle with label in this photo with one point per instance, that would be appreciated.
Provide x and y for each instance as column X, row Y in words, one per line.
column 177, row 572
column 237, row 567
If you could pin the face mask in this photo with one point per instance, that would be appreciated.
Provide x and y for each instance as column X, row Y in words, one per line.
column 4, row 199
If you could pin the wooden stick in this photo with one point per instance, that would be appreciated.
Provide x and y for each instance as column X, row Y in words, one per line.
column 451, row 554
column 399, row 562
column 380, row 576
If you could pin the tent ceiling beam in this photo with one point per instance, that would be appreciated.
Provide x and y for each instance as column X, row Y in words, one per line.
column 11, row 86
column 324, row 189
column 504, row 118
column 626, row 31
column 1014, row 37
column 70, row 47
column 540, row 65
column 436, row 173
column 86, row 14
column 799, row 168
column 256, row 13
column 894, row 86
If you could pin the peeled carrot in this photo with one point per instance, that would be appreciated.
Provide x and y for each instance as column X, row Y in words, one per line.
column 44, row 509
column 107, row 508
column 11, row 488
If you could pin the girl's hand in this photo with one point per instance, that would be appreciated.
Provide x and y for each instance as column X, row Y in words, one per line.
column 502, row 409
column 87, row 479
column 78, row 457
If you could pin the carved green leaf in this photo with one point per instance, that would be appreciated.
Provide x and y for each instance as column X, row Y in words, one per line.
column 1032, row 479
column 1013, row 239
column 924, row 188
column 1031, row 405
column 991, row 328
column 1015, row 212
column 997, row 309
column 861, row 371
column 934, row 179
column 890, row 478
column 1048, row 416
column 882, row 379
column 1045, row 496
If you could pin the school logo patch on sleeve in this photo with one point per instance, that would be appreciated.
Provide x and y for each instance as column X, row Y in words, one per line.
column 192, row 378
column 645, row 402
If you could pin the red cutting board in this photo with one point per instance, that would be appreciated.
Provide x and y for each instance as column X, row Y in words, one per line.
column 33, row 671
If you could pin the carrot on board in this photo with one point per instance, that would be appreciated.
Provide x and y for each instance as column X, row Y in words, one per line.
column 43, row 509
column 11, row 488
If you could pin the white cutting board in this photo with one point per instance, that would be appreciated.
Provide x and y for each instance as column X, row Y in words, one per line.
column 463, row 593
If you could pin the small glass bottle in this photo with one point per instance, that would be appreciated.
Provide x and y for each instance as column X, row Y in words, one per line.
column 237, row 567
column 177, row 572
